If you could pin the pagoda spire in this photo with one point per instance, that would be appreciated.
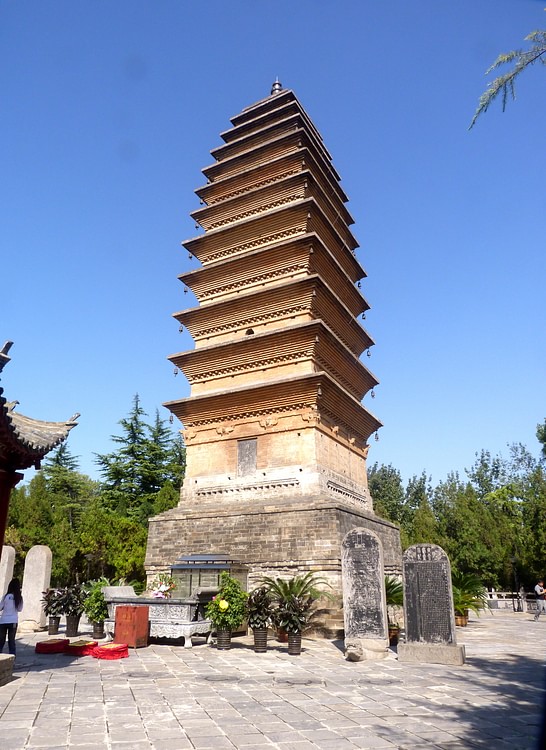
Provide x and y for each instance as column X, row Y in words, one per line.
column 276, row 88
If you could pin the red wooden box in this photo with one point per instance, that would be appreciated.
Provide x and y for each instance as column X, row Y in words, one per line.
column 132, row 626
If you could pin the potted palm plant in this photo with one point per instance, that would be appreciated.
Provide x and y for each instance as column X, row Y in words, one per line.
column 394, row 592
column 292, row 600
column 94, row 605
column 52, row 610
column 71, row 599
column 227, row 610
column 469, row 595
column 259, row 611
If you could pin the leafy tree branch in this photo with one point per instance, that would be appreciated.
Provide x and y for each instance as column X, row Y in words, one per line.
column 504, row 85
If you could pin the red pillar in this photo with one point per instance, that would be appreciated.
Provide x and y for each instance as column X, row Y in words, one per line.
column 8, row 480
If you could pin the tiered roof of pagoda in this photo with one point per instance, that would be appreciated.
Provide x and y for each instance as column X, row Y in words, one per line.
column 278, row 278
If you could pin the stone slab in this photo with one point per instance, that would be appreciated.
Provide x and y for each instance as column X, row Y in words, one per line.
column 431, row 653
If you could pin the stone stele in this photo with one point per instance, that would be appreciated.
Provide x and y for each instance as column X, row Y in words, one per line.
column 428, row 608
column 364, row 603
column 36, row 580
column 7, row 561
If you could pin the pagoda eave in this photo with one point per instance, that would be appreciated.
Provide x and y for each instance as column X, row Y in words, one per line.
column 313, row 345
column 314, row 396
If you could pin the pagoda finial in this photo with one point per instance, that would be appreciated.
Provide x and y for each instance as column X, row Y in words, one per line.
column 277, row 86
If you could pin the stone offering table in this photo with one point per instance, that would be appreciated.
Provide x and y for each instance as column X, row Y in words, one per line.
column 169, row 618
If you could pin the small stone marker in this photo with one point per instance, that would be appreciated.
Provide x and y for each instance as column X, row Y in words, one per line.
column 428, row 608
column 364, row 605
column 7, row 561
column 36, row 580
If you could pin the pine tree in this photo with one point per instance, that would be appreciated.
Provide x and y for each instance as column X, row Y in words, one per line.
column 147, row 458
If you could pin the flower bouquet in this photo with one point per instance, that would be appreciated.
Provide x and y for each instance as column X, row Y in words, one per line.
column 162, row 586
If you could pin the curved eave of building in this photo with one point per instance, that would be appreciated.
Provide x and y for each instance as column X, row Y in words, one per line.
column 317, row 390
column 25, row 441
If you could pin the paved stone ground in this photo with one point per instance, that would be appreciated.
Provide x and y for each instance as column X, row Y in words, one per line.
column 171, row 698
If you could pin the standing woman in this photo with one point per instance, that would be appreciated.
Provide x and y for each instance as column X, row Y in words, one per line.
column 10, row 606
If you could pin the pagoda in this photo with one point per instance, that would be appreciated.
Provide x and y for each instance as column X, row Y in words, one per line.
column 23, row 443
column 276, row 435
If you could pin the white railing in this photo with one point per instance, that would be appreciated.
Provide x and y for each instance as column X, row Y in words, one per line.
column 523, row 601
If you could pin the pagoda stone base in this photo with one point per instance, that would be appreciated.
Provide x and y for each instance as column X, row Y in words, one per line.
column 281, row 540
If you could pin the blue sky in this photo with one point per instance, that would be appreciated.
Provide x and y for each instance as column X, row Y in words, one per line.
column 109, row 111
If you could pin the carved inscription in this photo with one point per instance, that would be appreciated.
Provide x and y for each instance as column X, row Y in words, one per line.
column 428, row 600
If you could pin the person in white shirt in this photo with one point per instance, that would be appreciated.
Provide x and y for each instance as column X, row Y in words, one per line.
column 10, row 605
column 540, row 592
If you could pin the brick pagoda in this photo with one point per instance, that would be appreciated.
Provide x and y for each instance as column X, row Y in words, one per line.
column 276, row 435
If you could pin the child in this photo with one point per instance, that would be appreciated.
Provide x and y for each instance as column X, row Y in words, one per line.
column 10, row 606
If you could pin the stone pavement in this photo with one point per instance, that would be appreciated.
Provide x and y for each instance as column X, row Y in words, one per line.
column 170, row 698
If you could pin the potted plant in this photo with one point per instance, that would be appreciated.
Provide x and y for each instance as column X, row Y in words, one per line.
column 292, row 600
column 71, row 599
column 259, row 611
column 94, row 605
column 52, row 610
column 469, row 595
column 227, row 610
column 394, row 592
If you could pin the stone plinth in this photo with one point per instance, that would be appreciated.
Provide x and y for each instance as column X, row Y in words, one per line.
column 431, row 653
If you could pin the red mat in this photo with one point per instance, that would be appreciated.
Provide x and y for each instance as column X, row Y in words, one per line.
column 81, row 648
column 111, row 651
column 53, row 646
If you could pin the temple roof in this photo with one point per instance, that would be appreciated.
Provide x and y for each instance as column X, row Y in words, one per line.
column 25, row 441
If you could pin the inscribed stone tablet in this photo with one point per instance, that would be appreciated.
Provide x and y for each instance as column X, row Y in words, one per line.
column 364, row 607
column 428, row 599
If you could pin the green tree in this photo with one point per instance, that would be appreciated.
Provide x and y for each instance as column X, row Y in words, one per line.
column 387, row 491
column 111, row 545
column 70, row 490
column 541, row 436
column 424, row 526
column 504, row 84
column 147, row 458
column 30, row 512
